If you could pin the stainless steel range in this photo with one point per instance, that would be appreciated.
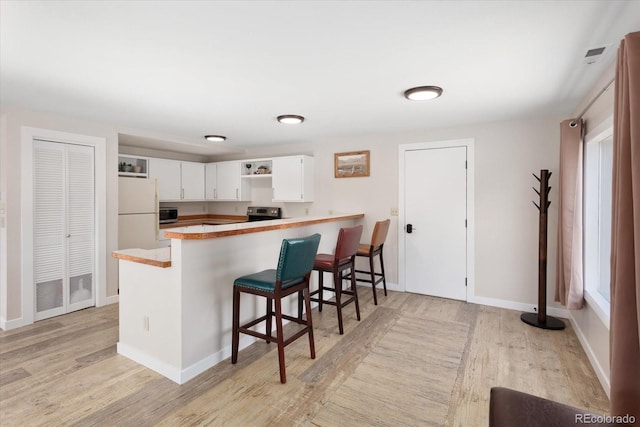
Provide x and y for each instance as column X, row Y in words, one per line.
column 259, row 213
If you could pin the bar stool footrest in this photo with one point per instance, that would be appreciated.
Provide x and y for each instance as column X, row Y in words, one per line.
column 358, row 279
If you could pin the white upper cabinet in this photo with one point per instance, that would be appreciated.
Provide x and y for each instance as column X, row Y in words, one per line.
column 210, row 187
column 167, row 172
column 292, row 179
column 177, row 180
column 192, row 179
column 229, row 185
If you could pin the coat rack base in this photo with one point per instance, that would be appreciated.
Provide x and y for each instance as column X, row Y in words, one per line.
column 549, row 323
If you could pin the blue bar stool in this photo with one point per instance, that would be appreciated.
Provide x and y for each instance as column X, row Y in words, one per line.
column 292, row 275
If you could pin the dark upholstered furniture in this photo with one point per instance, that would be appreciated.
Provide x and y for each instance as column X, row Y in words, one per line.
column 510, row 408
column 342, row 259
column 292, row 275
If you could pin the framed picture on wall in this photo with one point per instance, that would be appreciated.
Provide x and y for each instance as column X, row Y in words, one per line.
column 352, row 164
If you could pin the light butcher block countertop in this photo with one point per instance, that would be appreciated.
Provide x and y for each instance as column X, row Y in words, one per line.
column 213, row 231
column 162, row 257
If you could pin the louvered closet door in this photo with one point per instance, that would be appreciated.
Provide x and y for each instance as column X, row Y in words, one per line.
column 80, row 226
column 64, row 228
column 50, row 230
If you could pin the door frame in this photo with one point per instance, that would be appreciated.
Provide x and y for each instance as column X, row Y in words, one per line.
column 29, row 134
column 469, row 143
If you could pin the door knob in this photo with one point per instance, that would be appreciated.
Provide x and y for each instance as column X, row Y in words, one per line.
column 410, row 228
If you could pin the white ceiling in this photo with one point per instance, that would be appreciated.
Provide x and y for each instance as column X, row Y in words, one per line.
column 180, row 70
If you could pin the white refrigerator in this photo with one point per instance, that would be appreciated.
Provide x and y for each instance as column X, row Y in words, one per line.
column 137, row 213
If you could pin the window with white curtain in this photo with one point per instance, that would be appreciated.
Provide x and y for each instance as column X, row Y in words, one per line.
column 597, row 219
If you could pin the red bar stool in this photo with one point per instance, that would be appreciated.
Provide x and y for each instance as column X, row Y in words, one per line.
column 343, row 259
column 292, row 275
column 370, row 251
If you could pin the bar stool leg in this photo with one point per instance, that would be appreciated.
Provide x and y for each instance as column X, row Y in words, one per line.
column 355, row 291
column 384, row 277
column 320, row 287
column 373, row 280
column 307, row 303
column 337, row 284
column 269, row 316
column 235, row 338
column 280, row 338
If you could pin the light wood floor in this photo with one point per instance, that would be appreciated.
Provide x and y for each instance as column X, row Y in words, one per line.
column 412, row 360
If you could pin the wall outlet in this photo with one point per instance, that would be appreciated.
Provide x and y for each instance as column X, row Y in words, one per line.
column 394, row 211
column 145, row 323
column 306, row 211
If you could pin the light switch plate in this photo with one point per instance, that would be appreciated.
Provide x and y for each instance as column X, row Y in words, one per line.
column 394, row 211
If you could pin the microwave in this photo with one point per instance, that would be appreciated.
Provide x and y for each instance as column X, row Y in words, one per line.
column 168, row 215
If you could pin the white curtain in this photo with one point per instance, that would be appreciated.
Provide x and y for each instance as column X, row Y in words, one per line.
column 569, row 277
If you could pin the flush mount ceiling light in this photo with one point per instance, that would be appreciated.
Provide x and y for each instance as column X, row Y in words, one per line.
column 215, row 138
column 422, row 93
column 290, row 119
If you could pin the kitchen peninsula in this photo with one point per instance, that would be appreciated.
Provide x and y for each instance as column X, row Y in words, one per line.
column 176, row 302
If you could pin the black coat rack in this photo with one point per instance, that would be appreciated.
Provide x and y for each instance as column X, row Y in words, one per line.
column 541, row 320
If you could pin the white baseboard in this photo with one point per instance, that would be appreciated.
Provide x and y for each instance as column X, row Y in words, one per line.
column 597, row 367
column 213, row 359
column 113, row 299
column 6, row 325
column 150, row 362
column 175, row 374
column 518, row 306
column 390, row 286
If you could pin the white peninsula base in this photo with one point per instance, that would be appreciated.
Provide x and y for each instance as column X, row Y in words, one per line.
column 176, row 313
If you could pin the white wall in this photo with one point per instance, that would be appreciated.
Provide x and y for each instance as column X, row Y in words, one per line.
column 11, row 172
column 506, row 154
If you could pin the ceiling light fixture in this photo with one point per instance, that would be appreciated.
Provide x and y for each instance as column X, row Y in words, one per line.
column 215, row 138
column 290, row 119
column 422, row 93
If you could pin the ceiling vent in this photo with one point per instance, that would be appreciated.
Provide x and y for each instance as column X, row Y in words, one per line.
column 594, row 55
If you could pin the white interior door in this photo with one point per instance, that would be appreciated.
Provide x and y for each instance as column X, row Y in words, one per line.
column 435, row 213
column 64, row 229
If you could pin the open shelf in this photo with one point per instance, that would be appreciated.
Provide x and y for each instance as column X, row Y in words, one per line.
column 249, row 168
column 131, row 161
column 257, row 176
column 133, row 174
